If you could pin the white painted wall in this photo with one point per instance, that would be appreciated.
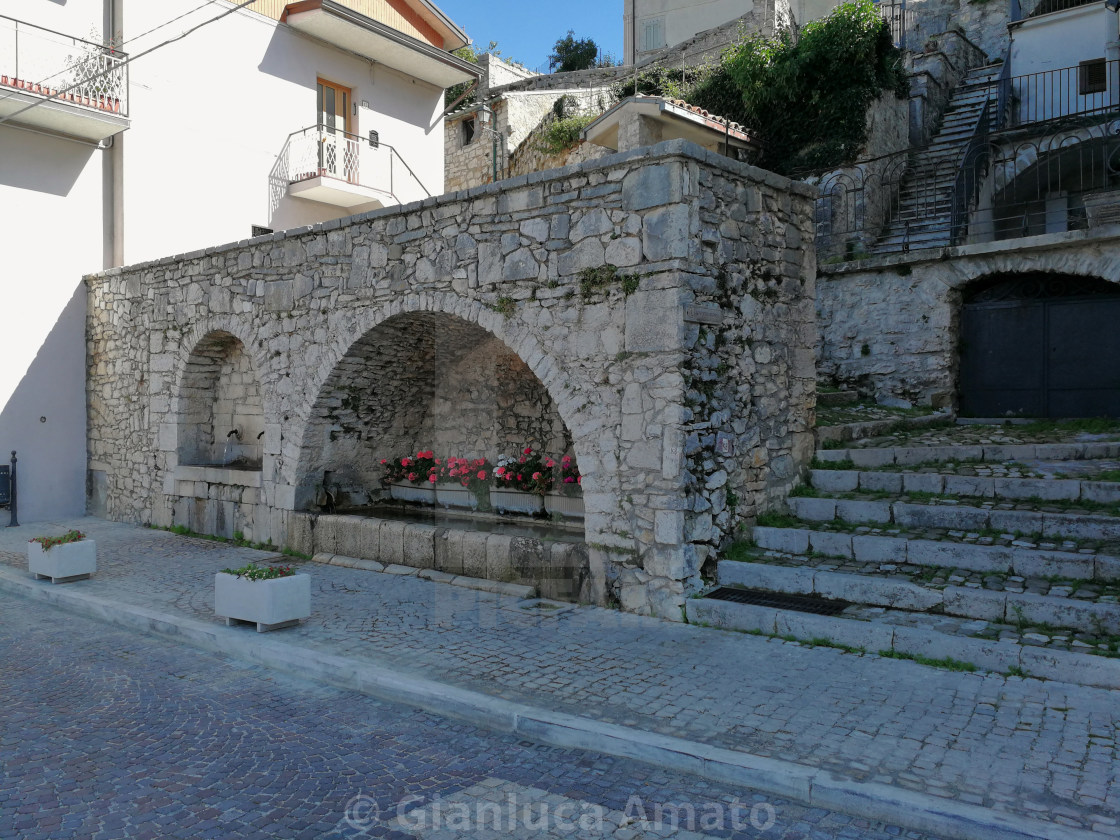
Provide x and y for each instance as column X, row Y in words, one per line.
column 50, row 235
column 1061, row 39
column 209, row 117
column 212, row 113
column 1054, row 42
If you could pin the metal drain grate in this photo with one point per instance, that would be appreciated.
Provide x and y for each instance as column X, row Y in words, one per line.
column 780, row 600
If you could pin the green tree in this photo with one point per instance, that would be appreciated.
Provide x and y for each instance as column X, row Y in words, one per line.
column 570, row 54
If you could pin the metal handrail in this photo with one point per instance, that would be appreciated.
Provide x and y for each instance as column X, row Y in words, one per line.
column 966, row 194
column 95, row 76
column 1004, row 98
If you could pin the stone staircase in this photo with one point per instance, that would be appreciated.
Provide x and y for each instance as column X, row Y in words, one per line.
column 923, row 216
column 957, row 554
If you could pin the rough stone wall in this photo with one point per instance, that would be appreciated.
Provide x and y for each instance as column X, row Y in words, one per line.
column 469, row 165
column 890, row 326
column 520, row 118
column 699, row 241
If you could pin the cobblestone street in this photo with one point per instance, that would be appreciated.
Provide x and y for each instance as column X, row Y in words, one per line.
column 1022, row 746
column 107, row 734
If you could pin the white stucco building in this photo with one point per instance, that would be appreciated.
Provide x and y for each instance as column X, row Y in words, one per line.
column 265, row 117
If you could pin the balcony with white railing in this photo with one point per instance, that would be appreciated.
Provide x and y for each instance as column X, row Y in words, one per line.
column 336, row 167
column 64, row 85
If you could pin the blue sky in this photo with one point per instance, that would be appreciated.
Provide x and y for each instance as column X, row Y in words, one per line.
column 526, row 30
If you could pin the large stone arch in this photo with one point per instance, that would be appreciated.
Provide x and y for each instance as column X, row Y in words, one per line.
column 634, row 289
column 461, row 318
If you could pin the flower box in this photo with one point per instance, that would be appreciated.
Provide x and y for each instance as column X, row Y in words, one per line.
column 270, row 604
column 570, row 507
column 63, row 563
column 406, row 492
column 456, row 495
column 515, row 501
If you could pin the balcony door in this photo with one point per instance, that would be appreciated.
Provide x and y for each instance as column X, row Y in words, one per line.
column 338, row 150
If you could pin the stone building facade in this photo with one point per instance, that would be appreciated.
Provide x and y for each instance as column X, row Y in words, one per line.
column 653, row 311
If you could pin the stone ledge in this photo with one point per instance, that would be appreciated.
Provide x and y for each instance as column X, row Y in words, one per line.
column 512, row 590
column 218, row 475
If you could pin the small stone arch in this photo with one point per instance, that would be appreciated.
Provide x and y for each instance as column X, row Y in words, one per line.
column 220, row 416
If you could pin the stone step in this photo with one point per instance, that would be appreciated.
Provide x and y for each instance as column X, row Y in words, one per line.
column 907, row 634
column 905, row 456
column 902, row 546
column 837, row 398
column 1026, row 518
column 1094, row 619
column 951, row 484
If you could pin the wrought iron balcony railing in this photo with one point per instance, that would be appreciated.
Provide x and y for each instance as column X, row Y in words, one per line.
column 41, row 62
column 1033, row 8
column 1090, row 88
column 337, row 167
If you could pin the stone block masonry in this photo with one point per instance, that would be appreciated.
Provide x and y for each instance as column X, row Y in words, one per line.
column 651, row 311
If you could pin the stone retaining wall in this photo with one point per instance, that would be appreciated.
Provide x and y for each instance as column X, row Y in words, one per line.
column 662, row 300
column 890, row 326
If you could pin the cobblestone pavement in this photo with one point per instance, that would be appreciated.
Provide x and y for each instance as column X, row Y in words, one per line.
column 1043, row 749
column 107, row 734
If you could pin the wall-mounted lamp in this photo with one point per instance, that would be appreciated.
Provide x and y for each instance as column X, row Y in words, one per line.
column 485, row 114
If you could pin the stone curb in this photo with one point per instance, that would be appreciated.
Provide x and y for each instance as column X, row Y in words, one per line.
column 871, row 428
column 871, row 548
column 958, row 601
column 919, row 812
column 988, row 487
column 957, row 517
column 513, row 590
column 986, row 654
column 909, row 456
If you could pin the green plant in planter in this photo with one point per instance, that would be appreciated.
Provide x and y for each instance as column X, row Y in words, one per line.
column 255, row 572
column 48, row 543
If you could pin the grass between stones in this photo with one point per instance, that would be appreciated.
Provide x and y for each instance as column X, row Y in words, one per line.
column 948, row 663
column 238, row 540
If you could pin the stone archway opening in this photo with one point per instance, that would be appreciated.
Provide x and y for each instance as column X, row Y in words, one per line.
column 221, row 414
column 1040, row 344
column 432, row 382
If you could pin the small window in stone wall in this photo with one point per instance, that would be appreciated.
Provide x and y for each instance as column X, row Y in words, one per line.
column 469, row 130
column 221, row 416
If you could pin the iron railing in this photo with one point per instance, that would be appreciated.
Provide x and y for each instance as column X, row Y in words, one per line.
column 897, row 19
column 319, row 151
column 1021, row 9
column 42, row 62
column 1090, row 88
column 970, row 174
column 1008, row 185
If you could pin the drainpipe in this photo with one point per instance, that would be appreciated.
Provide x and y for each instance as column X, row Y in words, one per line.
column 112, row 163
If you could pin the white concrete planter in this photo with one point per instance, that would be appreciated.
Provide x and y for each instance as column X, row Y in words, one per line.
column 516, row 501
column 570, row 507
column 63, row 563
column 455, row 495
column 413, row 493
column 270, row 604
